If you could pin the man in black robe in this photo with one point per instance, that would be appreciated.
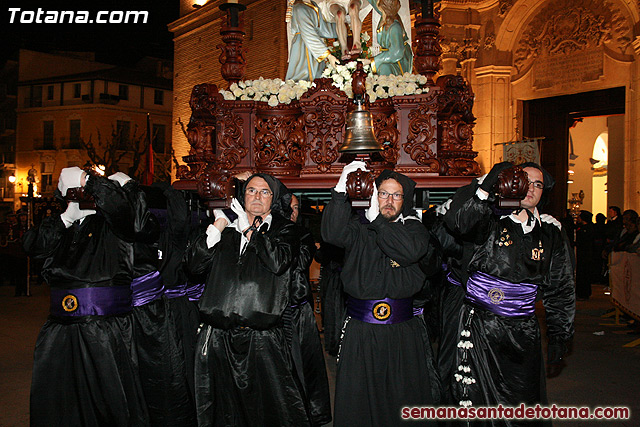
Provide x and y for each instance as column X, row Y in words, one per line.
column 160, row 358
column 85, row 367
column 306, row 346
column 516, row 257
column 244, row 373
column 385, row 361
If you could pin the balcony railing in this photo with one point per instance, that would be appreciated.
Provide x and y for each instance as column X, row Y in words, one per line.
column 67, row 143
column 44, row 143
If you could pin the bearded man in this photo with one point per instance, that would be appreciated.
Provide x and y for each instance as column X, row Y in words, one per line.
column 385, row 361
column 244, row 373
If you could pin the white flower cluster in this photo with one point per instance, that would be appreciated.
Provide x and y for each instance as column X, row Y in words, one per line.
column 465, row 403
column 465, row 380
column 465, row 344
column 271, row 91
column 378, row 87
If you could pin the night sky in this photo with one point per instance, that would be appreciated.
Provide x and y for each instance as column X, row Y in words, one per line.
column 121, row 44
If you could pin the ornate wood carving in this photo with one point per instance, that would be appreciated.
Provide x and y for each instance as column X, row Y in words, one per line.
column 230, row 147
column 201, row 127
column 455, row 128
column 323, row 109
column 428, row 50
column 215, row 184
column 360, row 186
column 422, row 139
column 232, row 53
column 385, row 126
column 280, row 140
column 456, row 97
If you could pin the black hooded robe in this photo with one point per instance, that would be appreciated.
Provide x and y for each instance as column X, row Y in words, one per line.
column 307, row 352
column 381, row 368
column 172, row 245
column 85, row 367
column 506, row 358
column 160, row 358
column 244, row 372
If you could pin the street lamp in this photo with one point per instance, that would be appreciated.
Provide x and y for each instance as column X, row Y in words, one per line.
column 12, row 178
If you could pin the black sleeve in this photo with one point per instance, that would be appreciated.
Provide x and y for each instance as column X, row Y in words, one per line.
column 42, row 241
column 338, row 227
column 276, row 250
column 178, row 217
column 406, row 243
column 146, row 226
column 469, row 216
column 113, row 204
column 558, row 294
column 198, row 257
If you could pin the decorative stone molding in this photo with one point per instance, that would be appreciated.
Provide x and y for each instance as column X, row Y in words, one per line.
column 568, row 26
column 505, row 6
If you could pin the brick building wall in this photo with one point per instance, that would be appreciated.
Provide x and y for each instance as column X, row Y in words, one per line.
column 196, row 37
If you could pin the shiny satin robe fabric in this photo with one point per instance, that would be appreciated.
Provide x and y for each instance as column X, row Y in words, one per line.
column 85, row 368
column 173, row 244
column 161, row 361
column 307, row 353
column 163, row 371
column 506, row 359
column 244, row 375
column 85, row 374
column 244, row 378
column 381, row 368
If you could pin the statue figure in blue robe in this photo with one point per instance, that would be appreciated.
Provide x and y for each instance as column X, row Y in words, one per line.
column 309, row 53
column 396, row 56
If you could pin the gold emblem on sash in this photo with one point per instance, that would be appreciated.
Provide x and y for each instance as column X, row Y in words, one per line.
column 381, row 311
column 394, row 264
column 495, row 295
column 70, row 303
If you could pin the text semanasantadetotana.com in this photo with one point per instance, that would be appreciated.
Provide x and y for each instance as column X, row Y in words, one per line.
column 522, row 412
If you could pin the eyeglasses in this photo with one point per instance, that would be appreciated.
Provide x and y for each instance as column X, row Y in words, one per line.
column 253, row 191
column 384, row 195
column 537, row 184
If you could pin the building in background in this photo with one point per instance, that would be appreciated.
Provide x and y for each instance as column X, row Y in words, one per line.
column 8, row 104
column 65, row 99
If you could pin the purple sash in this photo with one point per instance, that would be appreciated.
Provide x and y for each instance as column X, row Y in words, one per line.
column 195, row 291
column 147, row 288
column 98, row 301
column 385, row 311
column 418, row 311
column 453, row 280
column 304, row 301
column 500, row 296
column 176, row 292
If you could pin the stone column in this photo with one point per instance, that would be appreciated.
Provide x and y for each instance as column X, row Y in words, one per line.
column 494, row 113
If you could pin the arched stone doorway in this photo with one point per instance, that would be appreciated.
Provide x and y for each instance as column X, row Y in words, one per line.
column 552, row 118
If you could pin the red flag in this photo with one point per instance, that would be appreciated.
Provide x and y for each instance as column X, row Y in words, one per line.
column 148, row 173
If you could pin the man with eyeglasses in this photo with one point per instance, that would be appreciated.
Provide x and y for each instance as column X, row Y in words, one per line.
column 385, row 361
column 517, row 258
column 243, row 368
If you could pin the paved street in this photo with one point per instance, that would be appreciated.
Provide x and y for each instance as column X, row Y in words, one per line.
column 600, row 372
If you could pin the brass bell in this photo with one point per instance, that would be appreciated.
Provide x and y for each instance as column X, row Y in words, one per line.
column 359, row 137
